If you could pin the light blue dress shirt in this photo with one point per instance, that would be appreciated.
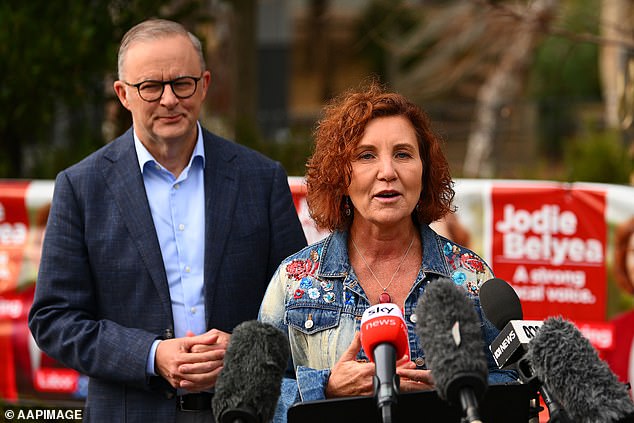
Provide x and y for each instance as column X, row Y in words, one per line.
column 177, row 206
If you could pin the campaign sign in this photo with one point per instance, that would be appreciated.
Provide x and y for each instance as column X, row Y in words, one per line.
column 549, row 243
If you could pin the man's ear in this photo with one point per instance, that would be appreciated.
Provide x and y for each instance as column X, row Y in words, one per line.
column 122, row 93
column 206, row 80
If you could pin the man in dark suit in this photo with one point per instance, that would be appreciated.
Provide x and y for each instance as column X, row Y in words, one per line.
column 159, row 243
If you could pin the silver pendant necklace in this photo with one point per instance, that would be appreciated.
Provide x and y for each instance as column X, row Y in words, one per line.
column 385, row 296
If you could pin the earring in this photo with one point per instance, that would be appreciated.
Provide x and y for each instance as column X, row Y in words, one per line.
column 347, row 210
column 418, row 205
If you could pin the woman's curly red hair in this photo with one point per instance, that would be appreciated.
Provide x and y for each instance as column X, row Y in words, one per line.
column 342, row 126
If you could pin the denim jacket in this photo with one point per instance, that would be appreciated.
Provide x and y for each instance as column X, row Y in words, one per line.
column 315, row 298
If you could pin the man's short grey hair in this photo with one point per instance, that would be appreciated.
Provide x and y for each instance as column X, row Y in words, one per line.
column 151, row 30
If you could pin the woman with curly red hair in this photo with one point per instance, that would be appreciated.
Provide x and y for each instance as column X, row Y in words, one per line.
column 377, row 178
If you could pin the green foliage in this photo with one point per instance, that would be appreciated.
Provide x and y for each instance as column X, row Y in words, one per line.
column 597, row 157
column 565, row 66
column 43, row 46
column 565, row 71
column 292, row 152
column 54, row 59
column 382, row 21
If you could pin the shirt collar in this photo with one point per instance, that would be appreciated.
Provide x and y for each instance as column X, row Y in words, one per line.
column 144, row 156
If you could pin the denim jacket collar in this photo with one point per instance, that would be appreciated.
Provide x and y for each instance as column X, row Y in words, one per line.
column 334, row 261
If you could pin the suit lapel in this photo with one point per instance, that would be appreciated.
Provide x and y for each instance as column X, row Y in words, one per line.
column 221, row 191
column 124, row 178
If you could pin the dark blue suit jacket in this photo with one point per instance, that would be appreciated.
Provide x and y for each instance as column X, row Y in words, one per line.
column 102, row 296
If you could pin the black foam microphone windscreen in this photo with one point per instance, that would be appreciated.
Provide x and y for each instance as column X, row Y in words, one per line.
column 569, row 366
column 249, row 384
column 449, row 331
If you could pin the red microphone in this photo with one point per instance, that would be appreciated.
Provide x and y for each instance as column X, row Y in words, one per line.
column 384, row 340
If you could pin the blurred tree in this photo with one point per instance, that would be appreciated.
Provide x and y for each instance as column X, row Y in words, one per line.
column 487, row 57
column 472, row 55
column 597, row 156
column 617, row 71
column 504, row 83
column 382, row 23
column 245, row 87
column 320, row 55
column 55, row 59
column 564, row 74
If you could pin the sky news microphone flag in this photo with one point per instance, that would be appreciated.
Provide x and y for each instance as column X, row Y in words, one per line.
column 384, row 340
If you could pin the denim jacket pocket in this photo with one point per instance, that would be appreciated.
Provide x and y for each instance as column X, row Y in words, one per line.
column 312, row 318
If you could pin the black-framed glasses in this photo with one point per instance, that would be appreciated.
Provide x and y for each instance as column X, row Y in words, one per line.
column 182, row 87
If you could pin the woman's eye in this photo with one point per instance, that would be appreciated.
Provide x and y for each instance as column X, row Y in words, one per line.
column 403, row 155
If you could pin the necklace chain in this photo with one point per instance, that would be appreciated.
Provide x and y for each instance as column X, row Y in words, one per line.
column 370, row 269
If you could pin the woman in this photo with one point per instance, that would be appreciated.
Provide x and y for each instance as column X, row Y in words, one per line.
column 377, row 178
column 621, row 356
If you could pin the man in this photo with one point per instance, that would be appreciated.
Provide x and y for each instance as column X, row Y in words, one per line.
column 159, row 243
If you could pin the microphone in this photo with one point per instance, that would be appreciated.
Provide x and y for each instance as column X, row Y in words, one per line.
column 569, row 366
column 501, row 305
column 503, row 308
column 249, row 384
column 384, row 339
column 449, row 331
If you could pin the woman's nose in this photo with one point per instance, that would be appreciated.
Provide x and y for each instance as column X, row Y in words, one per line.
column 386, row 170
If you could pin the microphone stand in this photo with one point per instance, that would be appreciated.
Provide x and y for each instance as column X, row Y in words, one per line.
column 534, row 408
column 383, row 404
column 386, row 381
column 557, row 414
column 469, row 404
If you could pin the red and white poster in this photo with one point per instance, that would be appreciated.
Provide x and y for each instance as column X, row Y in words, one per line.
column 14, row 230
column 25, row 372
column 13, row 237
column 549, row 243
